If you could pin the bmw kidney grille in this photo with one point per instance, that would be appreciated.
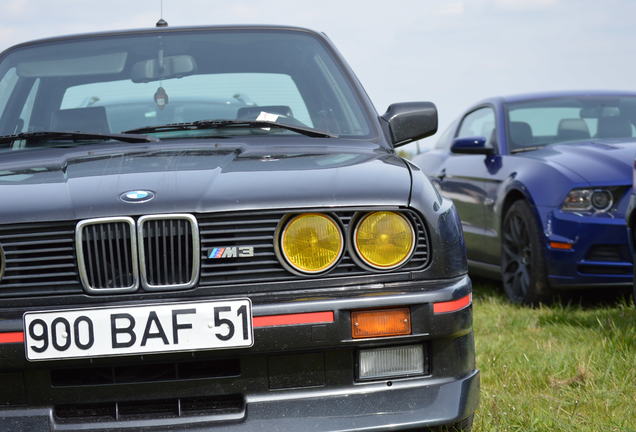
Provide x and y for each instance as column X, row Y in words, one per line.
column 168, row 251
column 107, row 255
column 157, row 252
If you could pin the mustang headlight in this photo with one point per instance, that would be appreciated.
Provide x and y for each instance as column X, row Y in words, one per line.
column 599, row 200
column 384, row 240
column 311, row 243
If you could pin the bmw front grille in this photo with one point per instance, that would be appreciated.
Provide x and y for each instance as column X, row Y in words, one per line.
column 107, row 255
column 158, row 252
column 168, row 251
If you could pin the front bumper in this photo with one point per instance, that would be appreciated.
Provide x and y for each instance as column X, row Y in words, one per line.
column 404, row 405
column 294, row 376
column 631, row 220
column 600, row 254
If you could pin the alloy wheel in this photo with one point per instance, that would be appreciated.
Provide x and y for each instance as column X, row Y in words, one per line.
column 517, row 256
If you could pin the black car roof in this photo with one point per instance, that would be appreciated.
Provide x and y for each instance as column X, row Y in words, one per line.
column 155, row 30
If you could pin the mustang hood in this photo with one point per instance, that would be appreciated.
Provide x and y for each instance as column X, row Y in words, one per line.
column 598, row 163
column 57, row 184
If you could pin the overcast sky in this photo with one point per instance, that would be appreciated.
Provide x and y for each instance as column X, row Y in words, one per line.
column 451, row 52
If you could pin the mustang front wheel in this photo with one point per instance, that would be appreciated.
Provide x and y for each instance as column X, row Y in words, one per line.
column 522, row 261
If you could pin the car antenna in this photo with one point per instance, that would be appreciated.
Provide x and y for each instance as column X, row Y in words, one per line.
column 162, row 22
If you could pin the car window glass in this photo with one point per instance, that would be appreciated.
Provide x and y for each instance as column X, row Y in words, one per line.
column 7, row 83
column 570, row 119
column 546, row 121
column 123, row 82
column 350, row 121
column 27, row 109
column 446, row 139
column 191, row 98
column 23, row 124
column 479, row 123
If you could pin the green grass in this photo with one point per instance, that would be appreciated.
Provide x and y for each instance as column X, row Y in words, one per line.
column 565, row 367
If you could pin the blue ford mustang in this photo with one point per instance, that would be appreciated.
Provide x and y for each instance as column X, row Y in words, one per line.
column 542, row 184
column 631, row 225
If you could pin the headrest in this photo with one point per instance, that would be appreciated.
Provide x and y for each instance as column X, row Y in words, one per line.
column 89, row 120
column 613, row 127
column 520, row 134
column 573, row 129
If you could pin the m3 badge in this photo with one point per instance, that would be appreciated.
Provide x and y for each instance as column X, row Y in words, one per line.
column 231, row 252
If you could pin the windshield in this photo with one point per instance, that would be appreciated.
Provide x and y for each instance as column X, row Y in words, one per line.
column 570, row 119
column 112, row 84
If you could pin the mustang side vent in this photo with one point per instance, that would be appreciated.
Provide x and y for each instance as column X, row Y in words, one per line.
column 107, row 255
column 169, row 251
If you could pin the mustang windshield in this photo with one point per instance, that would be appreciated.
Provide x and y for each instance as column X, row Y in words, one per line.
column 112, row 84
column 538, row 123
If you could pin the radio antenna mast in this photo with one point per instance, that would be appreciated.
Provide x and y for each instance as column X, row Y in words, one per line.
column 162, row 22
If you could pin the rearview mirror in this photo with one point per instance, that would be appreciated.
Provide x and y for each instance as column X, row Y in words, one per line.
column 176, row 66
column 471, row 145
column 411, row 121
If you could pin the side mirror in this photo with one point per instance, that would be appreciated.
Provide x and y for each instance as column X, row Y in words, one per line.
column 471, row 145
column 411, row 121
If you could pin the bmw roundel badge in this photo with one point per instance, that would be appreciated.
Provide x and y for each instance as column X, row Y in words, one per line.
column 137, row 196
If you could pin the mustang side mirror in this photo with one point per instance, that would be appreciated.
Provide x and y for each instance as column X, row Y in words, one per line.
column 471, row 145
column 411, row 121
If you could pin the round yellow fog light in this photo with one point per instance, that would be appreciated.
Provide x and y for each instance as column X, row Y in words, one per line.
column 312, row 242
column 384, row 240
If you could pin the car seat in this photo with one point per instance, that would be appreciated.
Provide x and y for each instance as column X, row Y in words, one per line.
column 573, row 129
column 520, row 135
column 613, row 127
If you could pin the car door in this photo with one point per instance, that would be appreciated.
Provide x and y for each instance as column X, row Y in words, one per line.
column 464, row 178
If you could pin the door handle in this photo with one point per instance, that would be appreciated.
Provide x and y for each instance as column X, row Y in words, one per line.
column 442, row 175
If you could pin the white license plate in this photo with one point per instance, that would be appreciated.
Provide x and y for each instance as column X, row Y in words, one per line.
column 126, row 330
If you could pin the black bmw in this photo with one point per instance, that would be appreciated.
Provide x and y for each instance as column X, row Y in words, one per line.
column 208, row 228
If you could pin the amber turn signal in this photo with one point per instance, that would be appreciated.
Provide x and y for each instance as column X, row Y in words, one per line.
column 380, row 322
column 561, row 245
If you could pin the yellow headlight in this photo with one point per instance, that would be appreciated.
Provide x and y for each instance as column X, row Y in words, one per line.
column 312, row 242
column 384, row 240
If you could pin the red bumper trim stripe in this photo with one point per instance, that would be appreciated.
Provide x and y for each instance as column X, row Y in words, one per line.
column 293, row 319
column 453, row 306
column 258, row 321
column 13, row 337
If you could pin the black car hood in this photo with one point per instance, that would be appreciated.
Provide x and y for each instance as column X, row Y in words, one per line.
column 599, row 162
column 72, row 184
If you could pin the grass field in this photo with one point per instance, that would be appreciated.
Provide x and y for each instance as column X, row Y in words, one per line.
column 567, row 367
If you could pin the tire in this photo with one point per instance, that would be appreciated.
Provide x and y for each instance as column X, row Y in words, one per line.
column 523, row 268
column 465, row 425
column 632, row 225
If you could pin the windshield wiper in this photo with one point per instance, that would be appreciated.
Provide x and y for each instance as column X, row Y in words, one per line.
column 221, row 124
column 76, row 136
column 527, row 149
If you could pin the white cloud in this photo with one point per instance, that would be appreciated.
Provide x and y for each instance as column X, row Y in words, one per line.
column 15, row 7
column 452, row 8
column 525, row 4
